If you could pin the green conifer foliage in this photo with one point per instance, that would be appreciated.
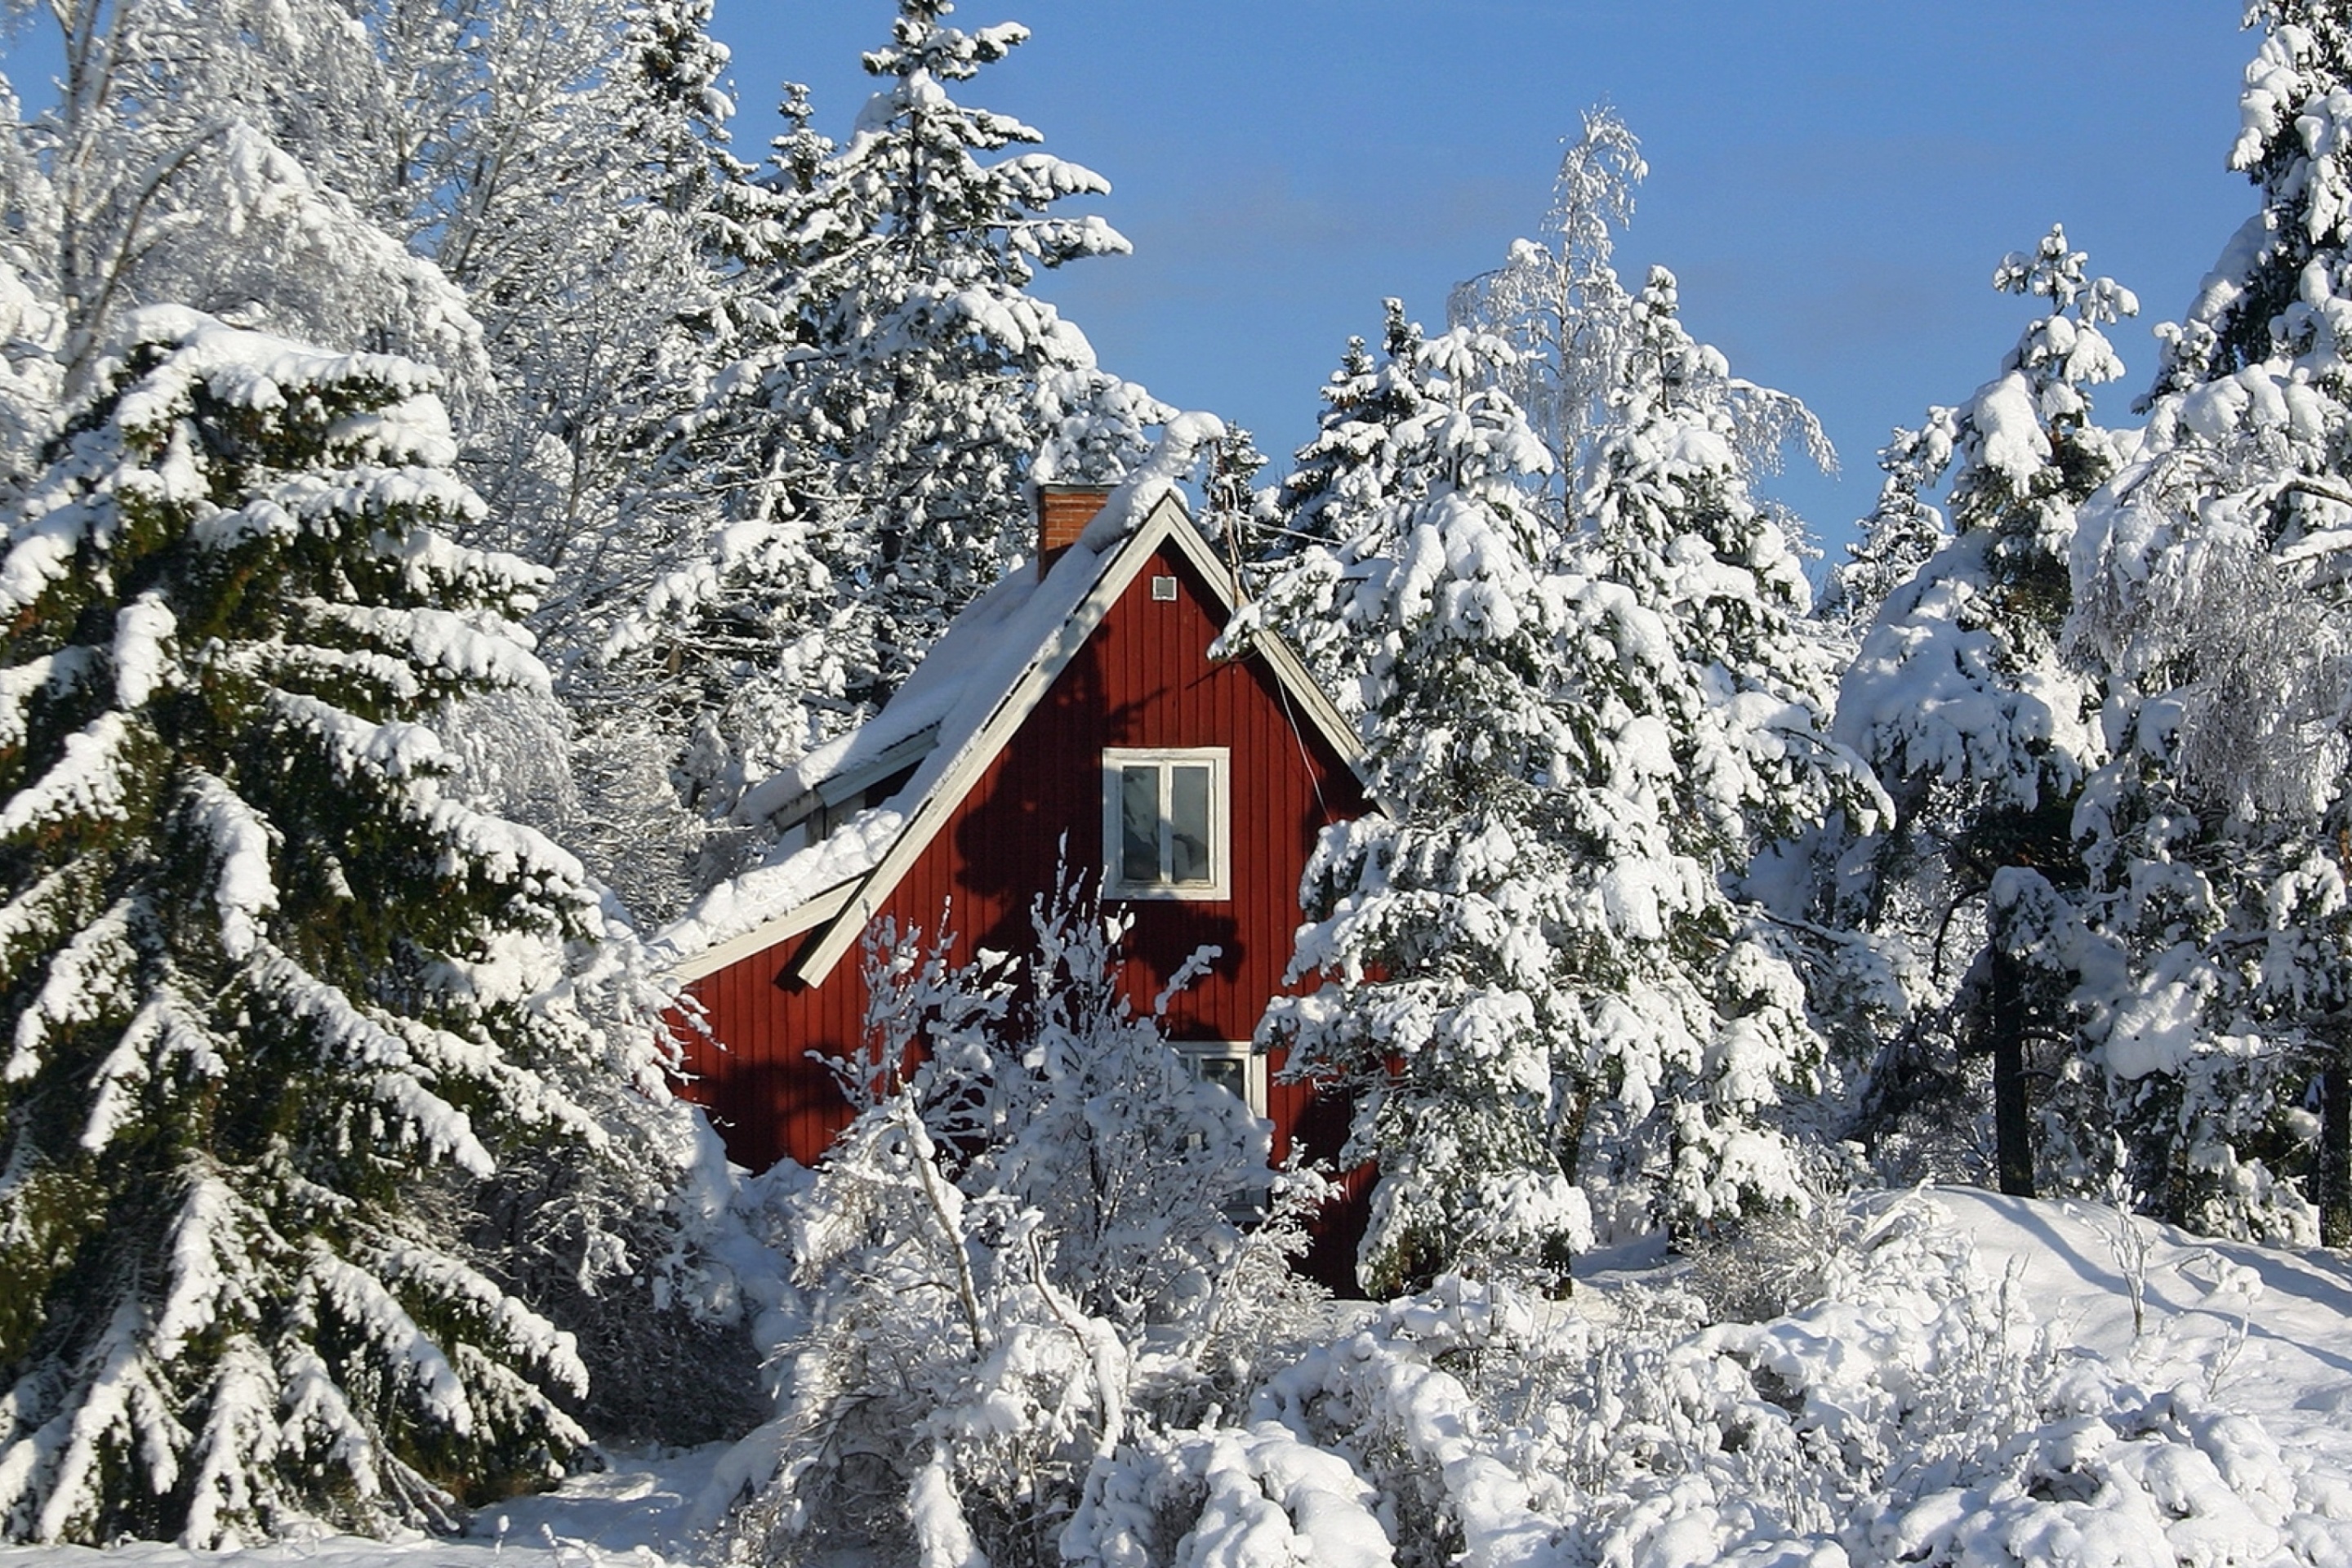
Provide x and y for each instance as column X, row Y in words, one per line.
column 280, row 1013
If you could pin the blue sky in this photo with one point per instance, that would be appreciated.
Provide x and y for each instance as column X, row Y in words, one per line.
column 1832, row 181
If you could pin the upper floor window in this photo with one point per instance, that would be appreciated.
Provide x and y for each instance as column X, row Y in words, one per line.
column 1165, row 823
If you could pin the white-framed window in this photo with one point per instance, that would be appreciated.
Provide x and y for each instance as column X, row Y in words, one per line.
column 1167, row 823
column 1230, row 1065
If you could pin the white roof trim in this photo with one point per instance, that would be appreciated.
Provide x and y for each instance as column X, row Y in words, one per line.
column 807, row 916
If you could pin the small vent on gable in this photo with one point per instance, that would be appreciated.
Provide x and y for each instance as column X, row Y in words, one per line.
column 1164, row 589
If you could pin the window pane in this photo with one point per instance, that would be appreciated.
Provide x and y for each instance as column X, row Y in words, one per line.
column 1138, row 824
column 1229, row 1073
column 1187, row 825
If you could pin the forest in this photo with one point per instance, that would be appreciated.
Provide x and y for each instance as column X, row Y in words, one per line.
column 445, row 474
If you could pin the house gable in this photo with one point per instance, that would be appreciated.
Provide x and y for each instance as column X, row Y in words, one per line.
column 966, row 743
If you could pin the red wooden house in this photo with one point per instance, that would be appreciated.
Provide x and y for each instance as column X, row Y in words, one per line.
column 1073, row 704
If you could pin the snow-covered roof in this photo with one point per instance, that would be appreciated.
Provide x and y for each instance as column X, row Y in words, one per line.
column 999, row 629
column 979, row 681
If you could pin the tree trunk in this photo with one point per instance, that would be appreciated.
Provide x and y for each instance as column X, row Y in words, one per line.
column 2012, row 1119
column 2335, row 1196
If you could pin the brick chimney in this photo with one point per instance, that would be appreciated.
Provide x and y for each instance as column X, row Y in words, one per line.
column 1063, row 513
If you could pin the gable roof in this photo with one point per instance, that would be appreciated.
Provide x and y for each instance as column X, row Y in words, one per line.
column 974, row 688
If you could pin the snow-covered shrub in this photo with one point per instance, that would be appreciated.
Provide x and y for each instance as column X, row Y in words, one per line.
column 1496, row 1428
column 292, row 1026
column 1766, row 1263
column 1022, row 1254
column 1228, row 1497
column 1916, row 1413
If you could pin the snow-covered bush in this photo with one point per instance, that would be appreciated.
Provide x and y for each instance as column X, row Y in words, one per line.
column 1914, row 1413
column 312, row 1067
column 1768, row 1263
column 1024, row 1252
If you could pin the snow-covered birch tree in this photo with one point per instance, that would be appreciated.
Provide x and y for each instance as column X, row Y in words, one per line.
column 190, row 157
column 572, row 173
column 285, row 1018
column 1558, row 304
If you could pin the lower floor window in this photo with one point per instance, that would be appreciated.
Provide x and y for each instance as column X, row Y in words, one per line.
column 1231, row 1065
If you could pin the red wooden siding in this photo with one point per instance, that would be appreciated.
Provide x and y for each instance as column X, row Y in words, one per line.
column 1144, row 679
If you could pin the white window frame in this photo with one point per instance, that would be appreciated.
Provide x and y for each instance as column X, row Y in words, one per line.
column 1253, row 1079
column 1219, row 886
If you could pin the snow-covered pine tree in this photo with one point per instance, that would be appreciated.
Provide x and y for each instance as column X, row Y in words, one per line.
column 1696, row 692
column 906, row 390
column 285, row 1020
column 1904, row 530
column 1984, row 729
column 2255, row 302
column 2210, row 578
column 1446, row 1007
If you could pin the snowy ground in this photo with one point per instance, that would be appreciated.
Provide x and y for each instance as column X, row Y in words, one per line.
column 2261, row 1335
column 628, row 1517
column 2292, row 1372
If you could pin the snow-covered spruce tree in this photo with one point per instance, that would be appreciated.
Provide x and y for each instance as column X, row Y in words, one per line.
column 1983, row 728
column 1361, row 464
column 1019, row 1257
column 2210, row 578
column 1695, row 691
column 906, row 390
column 284, row 1019
column 1322, row 472
column 1447, row 1007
